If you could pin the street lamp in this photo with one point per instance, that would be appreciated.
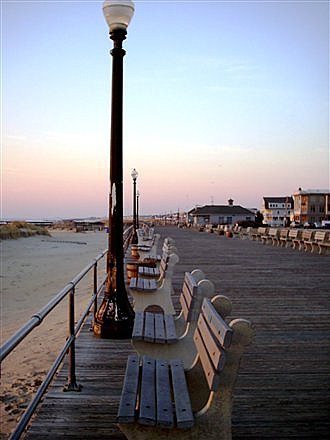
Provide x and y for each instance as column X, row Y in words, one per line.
column 137, row 209
column 134, row 175
column 115, row 317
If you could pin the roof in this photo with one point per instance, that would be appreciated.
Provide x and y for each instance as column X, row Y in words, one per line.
column 312, row 191
column 278, row 199
column 286, row 199
column 220, row 210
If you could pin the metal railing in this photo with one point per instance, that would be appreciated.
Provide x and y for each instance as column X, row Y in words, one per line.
column 73, row 330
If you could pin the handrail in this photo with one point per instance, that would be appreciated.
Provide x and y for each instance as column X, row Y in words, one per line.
column 38, row 317
column 73, row 330
column 53, row 369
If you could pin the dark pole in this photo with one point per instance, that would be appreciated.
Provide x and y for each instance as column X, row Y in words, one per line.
column 115, row 317
column 134, row 237
column 137, row 210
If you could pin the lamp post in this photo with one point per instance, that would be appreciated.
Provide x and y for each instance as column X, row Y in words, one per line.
column 134, row 175
column 115, row 317
column 137, row 209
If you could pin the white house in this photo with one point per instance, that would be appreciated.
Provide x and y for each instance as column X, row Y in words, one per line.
column 220, row 214
column 277, row 211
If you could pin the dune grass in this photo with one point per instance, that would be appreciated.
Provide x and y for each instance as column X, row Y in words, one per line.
column 18, row 229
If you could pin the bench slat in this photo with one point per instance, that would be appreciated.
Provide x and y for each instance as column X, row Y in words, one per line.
column 143, row 284
column 184, row 307
column 147, row 271
column 189, row 291
column 220, row 329
column 149, row 330
column 159, row 328
column 137, row 333
column 152, row 285
column 183, row 411
column 133, row 283
column 171, row 335
column 165, row 416
column 216, row 353
column 210, row 374
column 147, row 414
column 126, row 412
column 139, row 284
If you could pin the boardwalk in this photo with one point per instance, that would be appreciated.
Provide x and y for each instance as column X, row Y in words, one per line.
column 283, row 387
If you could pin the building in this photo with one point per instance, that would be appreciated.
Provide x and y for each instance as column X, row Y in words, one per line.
column 311, row 206
column 220, row 214
column 277, row 211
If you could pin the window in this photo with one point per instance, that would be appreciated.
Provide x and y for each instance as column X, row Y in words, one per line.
column 229, row 220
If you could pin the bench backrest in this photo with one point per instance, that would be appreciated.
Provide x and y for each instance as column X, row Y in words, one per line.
column 273, row 232
column 168, row 249
column 194, row 290
column 320, row 236
column 284, row 233
column 307, row 234
column 262, row 230
column 188, row 294
column 294, row 233
column 212, row 337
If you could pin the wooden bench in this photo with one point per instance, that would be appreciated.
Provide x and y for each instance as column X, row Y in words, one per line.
column 293, row 237
column 148, row 247
column 160, row 328
column 306, row 236
column 237, row 230
column 161, row 400
column 274, row 236
column 209, row 228
column 271, row 236
column 151, row 256
column 319, row 243
column 146, row 236
column 247, row 233
column 153, row 268
column 257, row 234
column 263, row 235
column 168, row 337
column 282, row 240
column 148, row 291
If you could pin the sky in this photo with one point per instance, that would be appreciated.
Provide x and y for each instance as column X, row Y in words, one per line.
column 222, row 99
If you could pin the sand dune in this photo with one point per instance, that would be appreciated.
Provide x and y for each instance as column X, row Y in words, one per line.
column 33, row 270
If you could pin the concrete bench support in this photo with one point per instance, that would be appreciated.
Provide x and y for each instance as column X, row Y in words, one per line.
column 160, row 400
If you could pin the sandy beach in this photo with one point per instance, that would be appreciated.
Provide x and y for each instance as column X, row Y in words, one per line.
column 33, row 270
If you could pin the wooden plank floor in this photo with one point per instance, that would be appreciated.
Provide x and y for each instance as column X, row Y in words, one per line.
column 283, row 386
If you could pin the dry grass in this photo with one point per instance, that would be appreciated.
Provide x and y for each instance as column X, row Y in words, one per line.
column 20, row 229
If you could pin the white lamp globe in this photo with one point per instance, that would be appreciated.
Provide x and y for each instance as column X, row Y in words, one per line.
column 118, row 13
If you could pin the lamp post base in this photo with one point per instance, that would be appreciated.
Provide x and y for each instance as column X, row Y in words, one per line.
column 113, row 319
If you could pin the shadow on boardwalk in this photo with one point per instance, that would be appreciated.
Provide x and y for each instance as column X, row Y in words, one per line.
column 283, row 386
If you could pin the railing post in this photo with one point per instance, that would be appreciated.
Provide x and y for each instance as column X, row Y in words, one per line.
column 72, row 382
